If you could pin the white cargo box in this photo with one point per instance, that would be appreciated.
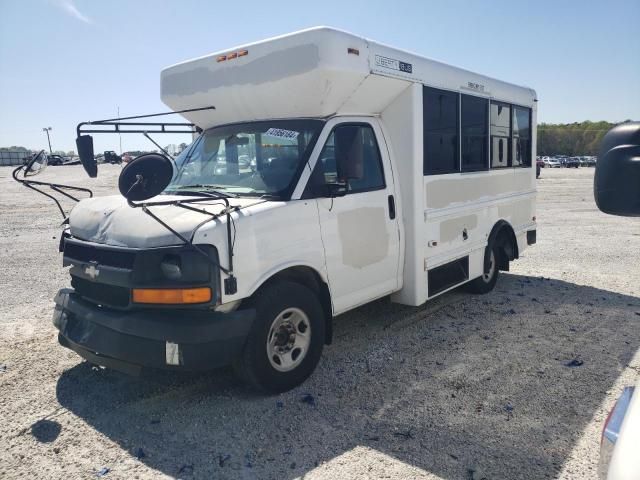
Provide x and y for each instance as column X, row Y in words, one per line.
column 313, row 73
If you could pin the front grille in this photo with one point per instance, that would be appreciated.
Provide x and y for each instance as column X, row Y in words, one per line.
column 103, row 256
column 101, row 293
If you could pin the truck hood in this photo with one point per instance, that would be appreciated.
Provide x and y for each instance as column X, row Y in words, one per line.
column 111, row 221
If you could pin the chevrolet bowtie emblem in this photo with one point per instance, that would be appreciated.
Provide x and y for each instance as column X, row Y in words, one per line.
column 92, row 272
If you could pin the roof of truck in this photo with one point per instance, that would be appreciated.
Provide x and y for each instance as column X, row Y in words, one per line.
column 316, row 72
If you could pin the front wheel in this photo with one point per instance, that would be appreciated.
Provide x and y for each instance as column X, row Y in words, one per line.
column 488, row 279
column 286, row 340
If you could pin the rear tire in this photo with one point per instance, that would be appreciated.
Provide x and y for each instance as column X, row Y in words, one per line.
column 285, row 343
column 487, row 281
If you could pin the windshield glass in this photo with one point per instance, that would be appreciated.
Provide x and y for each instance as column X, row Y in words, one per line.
column 250, row 159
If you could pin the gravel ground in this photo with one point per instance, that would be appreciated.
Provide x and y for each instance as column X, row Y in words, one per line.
column 465, row 387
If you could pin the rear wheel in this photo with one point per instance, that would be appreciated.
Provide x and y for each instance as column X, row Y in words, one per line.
column 286, row 339
column 488, row 279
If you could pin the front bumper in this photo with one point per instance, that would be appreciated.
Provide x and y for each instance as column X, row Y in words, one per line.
column 155, row 338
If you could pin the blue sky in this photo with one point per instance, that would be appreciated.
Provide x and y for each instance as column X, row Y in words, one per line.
column 66, row 61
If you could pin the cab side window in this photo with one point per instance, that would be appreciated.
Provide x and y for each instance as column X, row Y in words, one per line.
column 352, row 148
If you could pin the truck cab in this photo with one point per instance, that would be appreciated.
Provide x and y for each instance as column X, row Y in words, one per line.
column 330, row 173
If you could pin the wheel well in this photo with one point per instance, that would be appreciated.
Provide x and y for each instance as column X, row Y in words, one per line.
column 503, row 237
column 311, row 279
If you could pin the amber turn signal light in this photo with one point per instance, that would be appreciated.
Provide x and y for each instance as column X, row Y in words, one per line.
column 172, row 295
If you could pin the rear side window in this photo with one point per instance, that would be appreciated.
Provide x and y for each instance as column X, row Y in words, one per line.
column 474, row 125
column 440, row 123
column 500, row 134
column 521, row 140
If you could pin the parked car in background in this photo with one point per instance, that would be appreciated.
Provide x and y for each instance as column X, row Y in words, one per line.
column 552, row 163
column 56, row 160
column 111, row 157
column 572, row 162
column 127, row 157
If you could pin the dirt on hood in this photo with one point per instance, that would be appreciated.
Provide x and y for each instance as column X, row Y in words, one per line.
column 112, row 221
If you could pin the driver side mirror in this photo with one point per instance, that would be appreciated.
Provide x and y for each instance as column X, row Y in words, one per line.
column 84, row 143
column 336, row 189
column 616, row 184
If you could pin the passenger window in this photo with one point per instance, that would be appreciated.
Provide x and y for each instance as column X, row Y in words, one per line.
column 500, row 134
column 349, row 142
column 521, row 141
column 474, row 130
column 440, row 124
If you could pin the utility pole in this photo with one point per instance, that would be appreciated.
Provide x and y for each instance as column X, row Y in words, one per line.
column 119, row 134
column 47, row 130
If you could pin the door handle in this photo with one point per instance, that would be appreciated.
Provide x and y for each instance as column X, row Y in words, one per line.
column 392, row 207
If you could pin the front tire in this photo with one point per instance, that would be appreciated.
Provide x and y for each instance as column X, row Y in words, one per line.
column 487, row 281
column 286, row 340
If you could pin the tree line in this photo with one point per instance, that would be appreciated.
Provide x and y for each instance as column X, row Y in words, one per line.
column 16, row 148
column 573, row 139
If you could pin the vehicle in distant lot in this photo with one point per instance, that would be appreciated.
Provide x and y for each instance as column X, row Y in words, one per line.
column 373, row 187
column 589, row 161
column 126, row 157
column 552, row 163
column 616, row 189
column 112, row 157
column 544, row 161
column 571, row 162
column 56, row 160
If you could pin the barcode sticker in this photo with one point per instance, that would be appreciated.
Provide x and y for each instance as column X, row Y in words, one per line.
column 281, row 133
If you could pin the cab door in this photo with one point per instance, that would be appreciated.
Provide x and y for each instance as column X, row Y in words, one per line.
column 357, row 215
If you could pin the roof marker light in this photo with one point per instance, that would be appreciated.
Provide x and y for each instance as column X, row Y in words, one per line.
column 243, row 53
column 233, row 55
column 221, row 58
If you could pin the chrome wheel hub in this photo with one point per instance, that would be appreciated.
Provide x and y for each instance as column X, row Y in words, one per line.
column 288, row 339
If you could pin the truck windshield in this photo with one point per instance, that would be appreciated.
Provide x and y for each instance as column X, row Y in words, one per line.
column 251, row 159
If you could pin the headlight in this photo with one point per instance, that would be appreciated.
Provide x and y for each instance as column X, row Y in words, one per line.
column 171, row 267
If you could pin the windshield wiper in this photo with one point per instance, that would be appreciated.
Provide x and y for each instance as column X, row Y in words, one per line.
column 190, row 193
column 189, row 189
column 270, row 196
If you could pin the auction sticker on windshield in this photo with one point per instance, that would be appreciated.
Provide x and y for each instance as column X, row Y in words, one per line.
column 281, row 133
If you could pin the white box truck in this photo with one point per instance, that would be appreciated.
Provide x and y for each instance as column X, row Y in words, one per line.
column 332, row 171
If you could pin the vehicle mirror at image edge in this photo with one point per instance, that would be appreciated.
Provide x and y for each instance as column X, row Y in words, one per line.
column 84, row 143
column 616, row 184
